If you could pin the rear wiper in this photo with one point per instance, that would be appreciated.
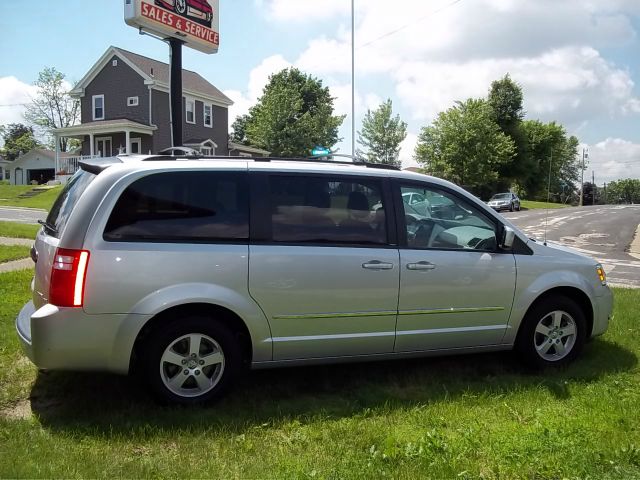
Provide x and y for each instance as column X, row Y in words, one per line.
column 48, row 226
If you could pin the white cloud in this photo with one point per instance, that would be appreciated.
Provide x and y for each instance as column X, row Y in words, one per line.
column 302, row 10
column 567, row 85
column 407, row 149
column 14, row 94
column 613, row 159
column 438, row 52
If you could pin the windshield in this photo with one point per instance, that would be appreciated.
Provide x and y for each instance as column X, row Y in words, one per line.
column 501, row 196
column 64, row 204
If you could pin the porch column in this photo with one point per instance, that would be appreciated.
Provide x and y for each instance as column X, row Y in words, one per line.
column 56, row 139
column 91, row 145
column 127, row 147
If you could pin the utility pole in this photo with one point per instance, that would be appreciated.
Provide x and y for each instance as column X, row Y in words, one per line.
column 176, row 92
column 593, row 188
column 585, row 154
column 353, row 79
column 605, row 193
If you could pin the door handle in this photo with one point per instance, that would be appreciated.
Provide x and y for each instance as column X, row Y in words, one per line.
column 377, row 265
column 421, row 266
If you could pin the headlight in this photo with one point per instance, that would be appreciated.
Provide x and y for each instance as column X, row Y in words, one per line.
column 601, row 274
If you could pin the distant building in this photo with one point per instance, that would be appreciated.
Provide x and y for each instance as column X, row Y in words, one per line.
column 125, row 108
column 35, row 167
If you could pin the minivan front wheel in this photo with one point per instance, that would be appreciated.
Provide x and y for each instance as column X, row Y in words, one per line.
column 191, row 360
column 553, row 333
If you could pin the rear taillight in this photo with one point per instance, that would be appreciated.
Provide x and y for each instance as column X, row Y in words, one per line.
column 68, row 274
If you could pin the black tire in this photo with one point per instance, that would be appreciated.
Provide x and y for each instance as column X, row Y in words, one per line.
column 158, row 373
column 528, row 338
column 511, row 209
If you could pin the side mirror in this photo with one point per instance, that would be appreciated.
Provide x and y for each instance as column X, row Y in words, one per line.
column 508, row 237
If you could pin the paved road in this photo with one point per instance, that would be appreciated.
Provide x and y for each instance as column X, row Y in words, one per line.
column 603, row 232
column 21, row 215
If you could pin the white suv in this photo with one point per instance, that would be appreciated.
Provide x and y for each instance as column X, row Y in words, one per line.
column 187, row 270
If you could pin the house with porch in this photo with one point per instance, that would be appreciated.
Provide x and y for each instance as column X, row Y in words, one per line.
column 125, row 109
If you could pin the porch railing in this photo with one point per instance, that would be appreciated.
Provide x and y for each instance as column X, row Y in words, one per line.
column 70, row 165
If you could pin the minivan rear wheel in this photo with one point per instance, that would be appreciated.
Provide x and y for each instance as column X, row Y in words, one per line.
column 191, row 360
column 552, row 333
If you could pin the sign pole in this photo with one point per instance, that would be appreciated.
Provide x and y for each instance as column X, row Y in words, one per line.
column 176, row 91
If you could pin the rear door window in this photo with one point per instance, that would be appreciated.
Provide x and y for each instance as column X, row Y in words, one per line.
column 63, row 206
column 189, row 207
column 327, row 210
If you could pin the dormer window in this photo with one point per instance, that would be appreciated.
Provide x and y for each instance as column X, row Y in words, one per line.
column 98, row 107
column 190, row 106
column 132, row 101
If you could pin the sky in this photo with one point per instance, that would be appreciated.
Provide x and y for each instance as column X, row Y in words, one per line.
column 578, row 61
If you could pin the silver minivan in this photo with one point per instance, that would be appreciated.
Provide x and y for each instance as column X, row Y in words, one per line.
column 190, row 270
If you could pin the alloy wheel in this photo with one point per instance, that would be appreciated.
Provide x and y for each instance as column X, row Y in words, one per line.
column 555, row 335
column 192, row 365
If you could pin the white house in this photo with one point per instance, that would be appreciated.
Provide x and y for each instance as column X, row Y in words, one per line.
column 4, row 168
column 37, row 166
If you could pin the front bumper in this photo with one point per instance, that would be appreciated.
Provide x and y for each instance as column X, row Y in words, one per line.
column 602, row 312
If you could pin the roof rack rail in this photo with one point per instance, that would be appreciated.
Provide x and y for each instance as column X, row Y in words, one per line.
column 189, row 156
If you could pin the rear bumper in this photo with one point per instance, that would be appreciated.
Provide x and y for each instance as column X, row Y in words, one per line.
column 68, row 339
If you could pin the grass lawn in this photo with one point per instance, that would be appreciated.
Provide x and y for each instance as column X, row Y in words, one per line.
column 458, row 417
column 9, row 196
column 531, row 205
column 18, row 230
column 13, row 252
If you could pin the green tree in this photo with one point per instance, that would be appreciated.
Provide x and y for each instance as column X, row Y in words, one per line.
column 294, row 114
column 623, row 191
column 506, row 101
column 239, row 130
column 382, row 134
column 465, row 145
column 18, row 138
column 53, row 107
column 552, row 152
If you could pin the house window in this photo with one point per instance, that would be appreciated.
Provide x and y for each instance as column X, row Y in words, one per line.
column 98, row 107
column 132, row 101
column 191, row 110
column 114, row 62
column 208, row 115
column 7, row 174
column 206, row 150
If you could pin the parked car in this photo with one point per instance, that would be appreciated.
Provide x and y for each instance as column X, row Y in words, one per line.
column 198, row 9
column 505, row 201
column 189, row 270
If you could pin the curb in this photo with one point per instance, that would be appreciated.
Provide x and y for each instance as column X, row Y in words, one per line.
column 24, row 264
column 634, row 248
column 28, row 209
column 16, row 241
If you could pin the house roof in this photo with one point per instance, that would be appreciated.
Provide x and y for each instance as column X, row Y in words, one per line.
column 104, row 126
column 36, row 152
column 157, row 73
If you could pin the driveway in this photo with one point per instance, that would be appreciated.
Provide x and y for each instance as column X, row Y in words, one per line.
column 22, row 215
column 603, row 232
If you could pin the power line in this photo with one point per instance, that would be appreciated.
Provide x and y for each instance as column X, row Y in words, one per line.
column 410, row 24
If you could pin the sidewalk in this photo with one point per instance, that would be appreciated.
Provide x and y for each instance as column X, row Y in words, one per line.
column 23, row 264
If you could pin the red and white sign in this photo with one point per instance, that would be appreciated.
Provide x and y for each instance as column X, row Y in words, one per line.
column 195, row 22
